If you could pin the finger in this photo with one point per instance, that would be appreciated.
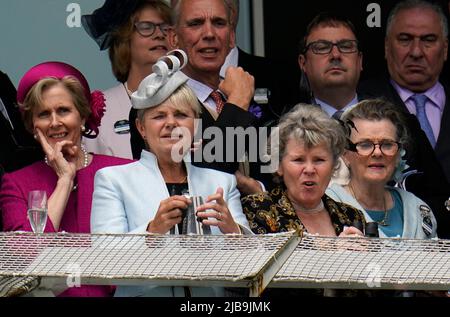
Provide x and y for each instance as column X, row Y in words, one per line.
column 176, row 198
column 71, row 150
column 218, row 196
column 174, row 214
column 43, row 141
column 210, row 214
column 353, row 230
column 174, row 204
column 210, row 207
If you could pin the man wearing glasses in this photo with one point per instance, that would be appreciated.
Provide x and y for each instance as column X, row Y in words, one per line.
column 332, row 62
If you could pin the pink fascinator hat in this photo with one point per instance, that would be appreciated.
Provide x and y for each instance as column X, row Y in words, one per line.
column 60, row 70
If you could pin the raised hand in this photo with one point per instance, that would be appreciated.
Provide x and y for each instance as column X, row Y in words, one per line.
column 62, row 158
column 216, row 207
column 238, row 86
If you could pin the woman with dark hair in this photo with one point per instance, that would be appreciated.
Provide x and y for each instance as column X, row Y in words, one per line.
column 378, row 140
column 58, row 107
column 135, row 34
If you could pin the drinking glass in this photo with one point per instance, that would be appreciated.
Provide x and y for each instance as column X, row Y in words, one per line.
column 37, row 210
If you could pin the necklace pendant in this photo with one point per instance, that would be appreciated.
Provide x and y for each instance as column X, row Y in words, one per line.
column 383, row 223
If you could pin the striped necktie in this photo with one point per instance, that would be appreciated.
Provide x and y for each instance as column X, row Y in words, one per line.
column 217, row 97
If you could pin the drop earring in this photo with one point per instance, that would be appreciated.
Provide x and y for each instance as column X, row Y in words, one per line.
column 83, row 128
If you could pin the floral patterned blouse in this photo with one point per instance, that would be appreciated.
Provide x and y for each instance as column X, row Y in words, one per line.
column 272, row 212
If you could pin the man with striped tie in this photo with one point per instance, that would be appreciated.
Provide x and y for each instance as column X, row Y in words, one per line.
column 203, row 29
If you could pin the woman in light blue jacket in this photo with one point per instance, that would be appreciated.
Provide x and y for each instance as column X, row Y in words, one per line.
column 147, row 196
column 377, row 142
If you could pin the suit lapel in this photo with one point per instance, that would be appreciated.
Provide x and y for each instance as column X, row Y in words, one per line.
column 442, row 143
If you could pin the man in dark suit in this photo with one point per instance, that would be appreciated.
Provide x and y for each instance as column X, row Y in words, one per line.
column 18, row 148
column 203, row 30
column 276, row 82
column 331, row 62
column 416, row 47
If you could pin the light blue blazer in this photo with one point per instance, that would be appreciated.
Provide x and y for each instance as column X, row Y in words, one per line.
column 413, row 216
column 126, row 198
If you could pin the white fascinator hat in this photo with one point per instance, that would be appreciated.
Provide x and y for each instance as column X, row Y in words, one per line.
column 165, row 79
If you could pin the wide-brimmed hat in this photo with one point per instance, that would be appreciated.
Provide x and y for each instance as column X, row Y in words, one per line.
column 108, row 18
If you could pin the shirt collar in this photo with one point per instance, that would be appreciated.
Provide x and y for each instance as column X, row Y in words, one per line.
column 231, row 60
column 201, row 90
column 435, row 94
column 331, row 110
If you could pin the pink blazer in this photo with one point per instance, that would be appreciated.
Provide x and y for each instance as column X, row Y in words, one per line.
column 77, row 216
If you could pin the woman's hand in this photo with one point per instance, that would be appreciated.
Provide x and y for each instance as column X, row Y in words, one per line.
column 216, row 207
column 169, row 214
column 62, row 158
column 351, row 232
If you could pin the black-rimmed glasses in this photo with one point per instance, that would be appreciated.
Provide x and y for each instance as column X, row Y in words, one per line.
column 323, row 47
column 366, row 148
column 146, row 28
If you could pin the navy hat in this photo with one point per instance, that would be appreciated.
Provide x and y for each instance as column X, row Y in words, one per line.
column 108, row 18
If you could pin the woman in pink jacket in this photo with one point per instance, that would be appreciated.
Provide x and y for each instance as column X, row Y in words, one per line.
column 58, row 108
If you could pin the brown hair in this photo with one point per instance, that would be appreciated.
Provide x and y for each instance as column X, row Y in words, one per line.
column 377, row 110
column 33, row 99
column 325, row 19
column 119, row 52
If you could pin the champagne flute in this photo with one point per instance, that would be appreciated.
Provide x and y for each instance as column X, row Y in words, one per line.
column 37, row 210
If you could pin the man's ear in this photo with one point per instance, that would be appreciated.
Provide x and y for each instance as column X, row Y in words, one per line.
column 232, row 39
column 301, row 61
column 173, row 38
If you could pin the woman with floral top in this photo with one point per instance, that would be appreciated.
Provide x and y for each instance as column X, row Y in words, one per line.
column 310, row 144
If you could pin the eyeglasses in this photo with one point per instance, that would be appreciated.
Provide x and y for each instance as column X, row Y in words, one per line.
column 366, row 148
column 146, row 28
column 323, row 47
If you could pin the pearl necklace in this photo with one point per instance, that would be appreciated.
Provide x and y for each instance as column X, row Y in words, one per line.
column 85, row 155
column 316, row 209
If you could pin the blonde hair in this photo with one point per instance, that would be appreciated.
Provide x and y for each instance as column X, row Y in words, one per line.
column 183, row 96
column 33, row 99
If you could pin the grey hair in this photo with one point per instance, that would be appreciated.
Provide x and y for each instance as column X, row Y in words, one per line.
column 413, row 4
column 377, row 110
column 176, row 11
column 311, row 126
